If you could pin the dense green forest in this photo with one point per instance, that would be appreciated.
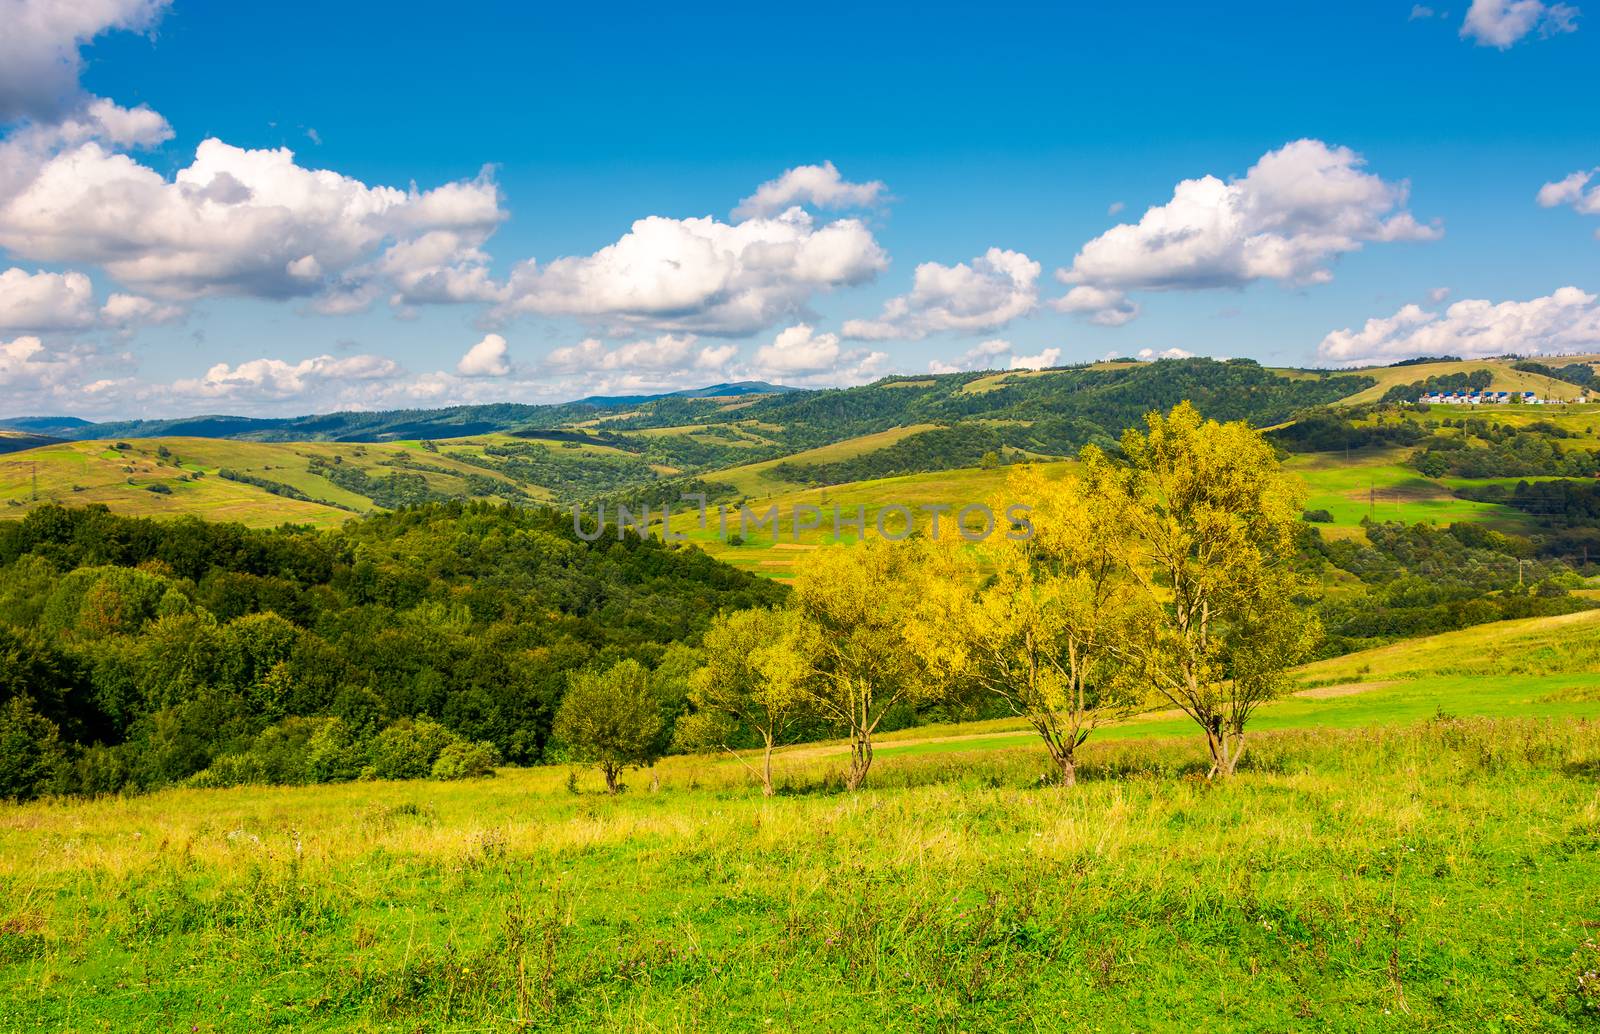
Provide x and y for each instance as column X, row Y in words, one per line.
column 1483, row 449
column 1419, row 580
column 138, row 653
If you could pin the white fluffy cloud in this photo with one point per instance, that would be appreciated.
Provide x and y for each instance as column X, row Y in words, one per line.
column 439, row 267
column 42, row 301
column 25, row 366
column 1574, row 190
column 265, row 379
column 1105, row 307
column 702, row 276
column 664, row 354
column 1565, row 321
column 993, row 354
column 799, row 349
column 800, row 355
column 487, row 358
column 987, row 293
column 1046, row 358
column 45, row 301
column 1150, row 355
column 1294, row 212
column 817, row 185
column 1502, row 23
column 39, row 59
column 234, row 221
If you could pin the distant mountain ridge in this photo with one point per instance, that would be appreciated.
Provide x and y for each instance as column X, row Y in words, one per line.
column 374, row 426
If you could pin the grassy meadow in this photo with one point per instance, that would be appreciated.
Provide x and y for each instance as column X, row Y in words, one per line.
column 1411, row 844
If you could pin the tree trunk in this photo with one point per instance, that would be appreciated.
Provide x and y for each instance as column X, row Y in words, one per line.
column 860, row 759
column 1069, row 770
column 611, row 772
column 766, row 770
column 1226, row 750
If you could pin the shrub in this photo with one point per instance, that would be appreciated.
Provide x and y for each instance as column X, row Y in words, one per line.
column 464, row 760
column 1317, row 516
column 30, row 751
column 407, row 749
column 332, row 755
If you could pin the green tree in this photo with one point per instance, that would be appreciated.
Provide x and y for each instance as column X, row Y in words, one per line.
column 1213, row 520
column 746, row 689
column 30, row 751
column 1042, row 631
column 864, row 639
column 610, row 719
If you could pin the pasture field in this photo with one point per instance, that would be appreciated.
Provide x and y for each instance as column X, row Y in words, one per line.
column 1384, row 868
column 1504, row 379
column 777, row 555
column 81, row 473
column 1440, row 876
column 756, row 480
column 1377, row 483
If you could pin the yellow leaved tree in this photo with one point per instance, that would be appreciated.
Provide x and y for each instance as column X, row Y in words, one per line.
column 1039, row 623
column 748, row 687
column 1212, row 519
column 856, row 646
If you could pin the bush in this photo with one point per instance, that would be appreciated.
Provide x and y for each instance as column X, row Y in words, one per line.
column 332, row 755
column 407, row 749
column 1317, row 517
column 464, row 760
column 30, row 751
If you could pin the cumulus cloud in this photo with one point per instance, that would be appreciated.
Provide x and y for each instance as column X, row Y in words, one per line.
column 667, row 353
column 1150, row 355
column 818, row 185
column 1105, row 307
column 260, row 379
column 1573, row 190
column 43, row 301
column 800, row 355
column 1502, row 23
column 700, row 275
column 1287, row 219
column 1565, row 321
column 992, row 354
column 39, row 49
column 799, row 349
column 441, row 266
column 1048, row 357
column 25, row 366
column 234, row 221
column 985, row 294
column 487, row 358
column 1420, row 12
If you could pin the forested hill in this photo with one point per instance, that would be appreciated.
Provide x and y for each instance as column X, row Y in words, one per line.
column 176, row 645
column 1052, row 411
column 1072, row 402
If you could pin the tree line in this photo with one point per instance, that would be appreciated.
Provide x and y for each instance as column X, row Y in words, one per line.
column 1162, row 576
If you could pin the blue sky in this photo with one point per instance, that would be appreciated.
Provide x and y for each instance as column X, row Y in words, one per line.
column 1009, row 185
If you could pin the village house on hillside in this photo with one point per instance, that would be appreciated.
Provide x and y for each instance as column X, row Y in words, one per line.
column 1486, row 398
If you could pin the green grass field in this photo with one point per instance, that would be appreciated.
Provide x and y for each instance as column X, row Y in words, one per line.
column 1374, row 866
column 81, row 473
